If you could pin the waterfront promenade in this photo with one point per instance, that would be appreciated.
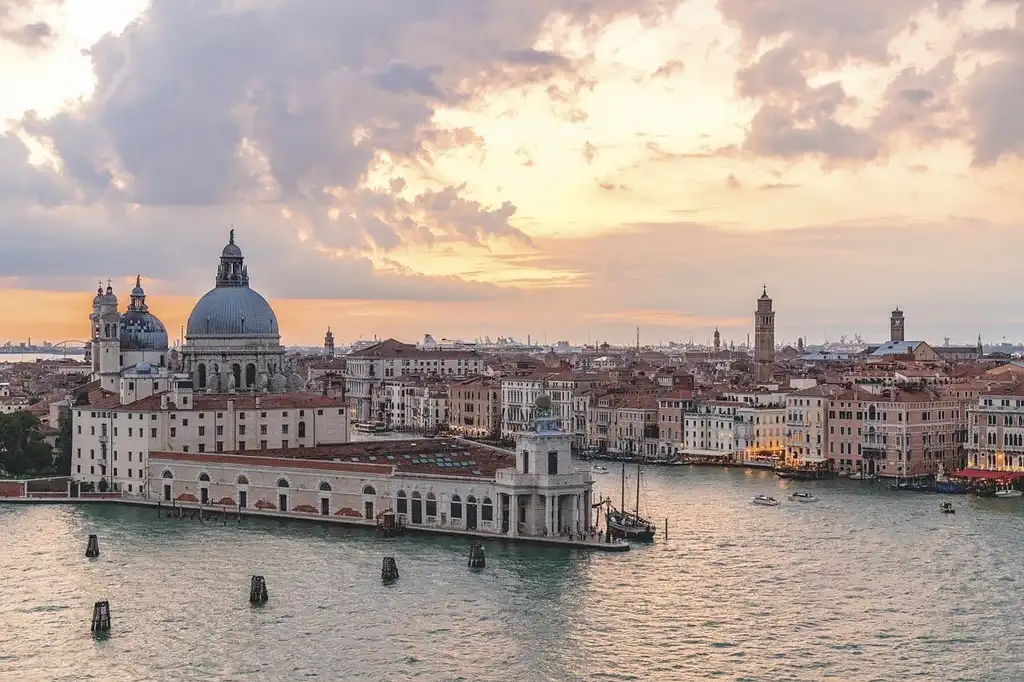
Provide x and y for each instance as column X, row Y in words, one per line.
column 218, row 513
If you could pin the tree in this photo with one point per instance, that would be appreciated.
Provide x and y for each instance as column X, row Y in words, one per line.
column 62, row 456
column 22, row 448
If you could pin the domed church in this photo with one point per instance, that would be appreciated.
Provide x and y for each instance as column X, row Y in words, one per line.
column 232, row 342
column 119, row 341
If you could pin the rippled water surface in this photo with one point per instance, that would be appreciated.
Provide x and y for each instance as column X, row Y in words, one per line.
column 866, row 584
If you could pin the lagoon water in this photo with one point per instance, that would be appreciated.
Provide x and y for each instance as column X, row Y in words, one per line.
column 866, row 584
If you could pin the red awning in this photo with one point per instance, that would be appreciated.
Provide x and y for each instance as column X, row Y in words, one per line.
column 988, row 474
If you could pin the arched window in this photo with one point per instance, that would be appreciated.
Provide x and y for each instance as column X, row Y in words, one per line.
column 281, row 483
column 302, row 429
column 470, row 500
column 368, row 490
column 250, row 375
column 431, row 505
column 236, row 372
column 416, row 496
column 202, row 375
column 487, row 510
column 403, row 503
column 167, row 474
column 456, row 507
column 325, row 486
column 204, row 477
column 242, row 480
column 871, row 412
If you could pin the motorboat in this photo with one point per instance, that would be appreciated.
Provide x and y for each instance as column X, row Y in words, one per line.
column 1008, row 492
column 598, row 469
column 947, row 508
column 766, row 501
column 803, row 497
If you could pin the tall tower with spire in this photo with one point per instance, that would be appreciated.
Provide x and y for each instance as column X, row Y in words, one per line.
column 329, row 344
column 105, row 340
column 718, row 340
column 896, row 325
column 764, row 338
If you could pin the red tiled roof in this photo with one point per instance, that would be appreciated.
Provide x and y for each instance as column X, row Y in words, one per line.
column 274, row 458
column 242, row 401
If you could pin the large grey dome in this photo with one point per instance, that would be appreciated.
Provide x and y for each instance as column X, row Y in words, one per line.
column 232, row 311
column 141, row 330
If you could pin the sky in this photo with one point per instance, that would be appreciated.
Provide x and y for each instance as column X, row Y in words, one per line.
column 563, row 169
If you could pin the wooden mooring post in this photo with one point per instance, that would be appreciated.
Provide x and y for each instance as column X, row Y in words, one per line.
column 101, row 616
column 476, row 556
column 389, row 570
column 258, row 590
column 666, row 528
column 92, row 549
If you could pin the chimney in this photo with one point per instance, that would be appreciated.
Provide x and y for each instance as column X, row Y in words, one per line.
column 163, row 401
column 258, row 401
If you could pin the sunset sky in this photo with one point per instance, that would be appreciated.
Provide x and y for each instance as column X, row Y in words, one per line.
column 558, row 168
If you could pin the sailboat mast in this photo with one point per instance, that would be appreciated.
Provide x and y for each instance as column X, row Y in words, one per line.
column 638, row 488
column 622, row 506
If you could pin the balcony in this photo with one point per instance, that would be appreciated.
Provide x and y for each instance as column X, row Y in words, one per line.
column 511, row 478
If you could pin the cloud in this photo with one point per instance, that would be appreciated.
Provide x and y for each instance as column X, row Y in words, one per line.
column 995, row 94
column 18, row 25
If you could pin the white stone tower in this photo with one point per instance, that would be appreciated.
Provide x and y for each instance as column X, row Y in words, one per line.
column 329, row 344
column 764, row 338
column 105, row 339
column 896, row 325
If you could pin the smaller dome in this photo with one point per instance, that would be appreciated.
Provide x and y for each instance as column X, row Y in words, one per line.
column 231, row 251
column 141, row 330
column 543, row 402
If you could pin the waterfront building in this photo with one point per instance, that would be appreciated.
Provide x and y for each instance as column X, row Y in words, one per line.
column 672, row 409
column 807, row 425
column 519, row 393
column 367, row 368
column 760, row 434
column 709, row 432
column 996, row 429
column 624, row 424
column 232, row 340
column 440, row 483
column 113, row 434
column 764, row 338
column 474, row 406
column 898, row 433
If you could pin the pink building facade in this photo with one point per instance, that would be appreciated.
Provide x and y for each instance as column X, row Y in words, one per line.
column 898, row 433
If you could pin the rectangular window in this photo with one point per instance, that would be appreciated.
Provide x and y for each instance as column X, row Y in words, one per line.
column 553, row 463
column 241, row 445
column 174, row 431
column 202, row 430
column 263, row 445
column 284, row 444
column 220, row 430
column 184, row 448
column 184, row 422
column 284, row 429
column 263, row 429
column 219, row 446
column 241, row 429
column 152, row 433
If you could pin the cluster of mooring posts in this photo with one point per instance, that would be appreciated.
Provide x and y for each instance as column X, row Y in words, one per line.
column 201, row 515
column 258, row 595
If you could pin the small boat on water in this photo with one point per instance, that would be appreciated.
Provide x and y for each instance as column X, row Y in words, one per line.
column 766, row 501
column 1008, row 492
column 803, row 497
column 947, row 508
column 596, row 469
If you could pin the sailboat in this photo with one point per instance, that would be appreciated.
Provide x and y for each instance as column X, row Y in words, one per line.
column 628, row 525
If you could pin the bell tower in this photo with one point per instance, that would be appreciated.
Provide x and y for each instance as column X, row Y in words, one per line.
column 329, row 344
column 718, row 340
column 764, row 338
column 105, row 340
column 896, row 325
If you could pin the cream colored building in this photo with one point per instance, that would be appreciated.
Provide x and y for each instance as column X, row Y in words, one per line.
column 807, row 424
column 113, row 434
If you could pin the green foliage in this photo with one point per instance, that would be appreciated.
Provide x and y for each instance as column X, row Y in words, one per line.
column 22, row 448
column 62, row 456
